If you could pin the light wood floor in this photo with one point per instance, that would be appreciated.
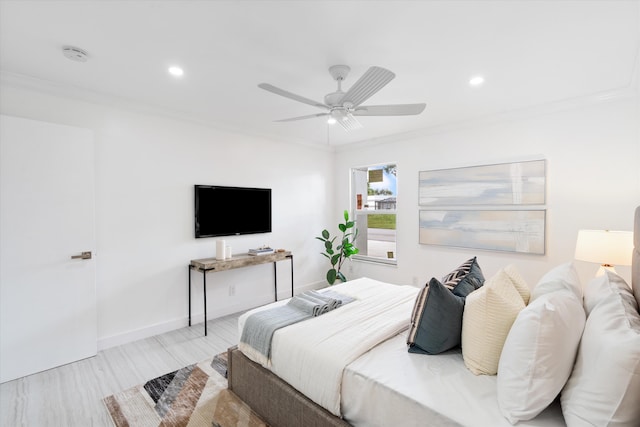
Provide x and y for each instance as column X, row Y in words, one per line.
column 71, row 395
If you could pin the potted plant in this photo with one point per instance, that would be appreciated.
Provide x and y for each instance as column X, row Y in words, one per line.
column 337, row 255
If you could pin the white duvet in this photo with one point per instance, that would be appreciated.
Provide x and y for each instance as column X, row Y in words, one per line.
column 311, row 355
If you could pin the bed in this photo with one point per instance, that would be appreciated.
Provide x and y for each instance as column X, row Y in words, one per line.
column 380, row 383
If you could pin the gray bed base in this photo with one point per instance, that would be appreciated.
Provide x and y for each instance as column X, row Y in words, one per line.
column 279, row 404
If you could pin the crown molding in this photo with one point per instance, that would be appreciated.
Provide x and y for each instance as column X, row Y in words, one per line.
column 627, row 92
column 68, row 91
column 22, row 81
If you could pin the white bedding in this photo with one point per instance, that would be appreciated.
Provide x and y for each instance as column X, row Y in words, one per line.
column 388, row 384
column 337, row 338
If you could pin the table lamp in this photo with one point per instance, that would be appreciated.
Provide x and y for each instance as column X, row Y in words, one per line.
column 605, row 247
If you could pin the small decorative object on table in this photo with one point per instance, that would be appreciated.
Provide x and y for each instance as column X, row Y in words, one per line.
column 221, row 251
column 263, row 250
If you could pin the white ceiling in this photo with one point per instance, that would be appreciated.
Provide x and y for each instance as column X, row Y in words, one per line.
column 531, row 53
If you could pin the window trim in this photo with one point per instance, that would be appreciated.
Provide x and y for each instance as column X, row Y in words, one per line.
column 354, row 212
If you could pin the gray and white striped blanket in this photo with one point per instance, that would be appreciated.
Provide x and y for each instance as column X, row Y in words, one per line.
column 259, row 327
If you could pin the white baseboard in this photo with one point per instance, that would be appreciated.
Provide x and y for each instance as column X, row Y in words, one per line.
column 196, row 317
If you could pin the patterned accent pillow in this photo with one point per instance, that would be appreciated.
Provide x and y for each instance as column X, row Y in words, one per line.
column 470, row 271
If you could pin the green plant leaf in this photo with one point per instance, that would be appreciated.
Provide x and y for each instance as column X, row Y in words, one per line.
column 335, row 259
column 352, row 251
column 325, row 255
column 331, row 276
column 343, row 250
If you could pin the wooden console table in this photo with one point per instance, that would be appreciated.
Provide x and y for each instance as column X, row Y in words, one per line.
column 206, row 265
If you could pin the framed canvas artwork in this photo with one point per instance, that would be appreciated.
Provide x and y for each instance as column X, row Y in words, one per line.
column 499, row 230
column 516, row 183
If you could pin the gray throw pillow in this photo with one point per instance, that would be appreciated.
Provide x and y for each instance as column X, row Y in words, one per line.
column 436, row 321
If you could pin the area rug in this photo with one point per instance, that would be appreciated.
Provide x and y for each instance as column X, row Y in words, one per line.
column 194, row 396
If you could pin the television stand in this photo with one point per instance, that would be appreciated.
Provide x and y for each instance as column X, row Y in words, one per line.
column 207, row 265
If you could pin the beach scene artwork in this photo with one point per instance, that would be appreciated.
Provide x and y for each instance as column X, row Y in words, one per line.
column 520, row 231
column 517, row 183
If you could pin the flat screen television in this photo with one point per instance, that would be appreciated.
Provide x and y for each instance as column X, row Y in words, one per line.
column 229, row 211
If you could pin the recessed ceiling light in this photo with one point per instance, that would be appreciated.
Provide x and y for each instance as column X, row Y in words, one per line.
column 176, row 71
column 476, row 81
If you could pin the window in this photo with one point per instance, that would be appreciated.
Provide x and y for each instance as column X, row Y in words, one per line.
column 374, row 202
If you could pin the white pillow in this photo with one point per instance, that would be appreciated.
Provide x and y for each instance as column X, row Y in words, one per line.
column 538, row 354
column 488, row 315
column 563, row 276
column 519, row 282
column 604, row 387
column 602, row 287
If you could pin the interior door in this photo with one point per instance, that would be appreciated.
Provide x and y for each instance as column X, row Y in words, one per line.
column 47, row 215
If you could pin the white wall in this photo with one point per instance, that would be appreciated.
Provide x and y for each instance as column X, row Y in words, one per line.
column 146, row 166
column 593, row 181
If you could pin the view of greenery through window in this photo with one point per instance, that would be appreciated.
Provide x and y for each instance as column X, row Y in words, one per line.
column 386, row 221
column 374, row 198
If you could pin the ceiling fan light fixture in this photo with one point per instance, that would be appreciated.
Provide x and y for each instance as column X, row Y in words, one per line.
column 341, row 107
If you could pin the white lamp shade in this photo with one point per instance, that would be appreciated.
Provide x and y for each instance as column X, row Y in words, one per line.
column 605, row 247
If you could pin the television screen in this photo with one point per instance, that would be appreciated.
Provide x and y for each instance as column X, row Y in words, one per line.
column 228, row 211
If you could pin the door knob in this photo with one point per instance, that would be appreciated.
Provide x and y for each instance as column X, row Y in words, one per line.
column 83, row 255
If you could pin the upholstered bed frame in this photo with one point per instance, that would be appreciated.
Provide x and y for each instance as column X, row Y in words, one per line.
column 280, row 405
column 273, row 399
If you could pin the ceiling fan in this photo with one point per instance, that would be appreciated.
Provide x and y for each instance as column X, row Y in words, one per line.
column 341, row 107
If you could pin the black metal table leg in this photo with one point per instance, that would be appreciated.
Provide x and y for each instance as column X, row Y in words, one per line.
column 204, row 281
column 275, row 281
column 291, row 257
column 189, row 294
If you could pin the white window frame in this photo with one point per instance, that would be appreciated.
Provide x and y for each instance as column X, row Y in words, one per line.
column 355, row 213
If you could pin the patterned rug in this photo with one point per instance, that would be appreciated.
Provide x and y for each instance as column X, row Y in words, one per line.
column 194, row 396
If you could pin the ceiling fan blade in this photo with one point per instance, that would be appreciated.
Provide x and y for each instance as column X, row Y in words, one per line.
column 310, row 116
column 282, row 92
column 349, row 123
column 389, row 110
column 374, row 79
